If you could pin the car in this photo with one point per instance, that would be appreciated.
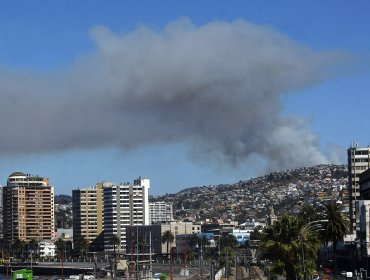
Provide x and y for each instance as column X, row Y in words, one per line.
column 343, row 273
column 349, row 274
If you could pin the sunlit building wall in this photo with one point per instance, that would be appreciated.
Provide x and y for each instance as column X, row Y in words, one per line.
column 358, row 162
column 28, row 204
column 124, row 205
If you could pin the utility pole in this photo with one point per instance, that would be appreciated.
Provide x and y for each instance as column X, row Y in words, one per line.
column 171, row 273
column 137, row 248
column 150, row 255
column 212, row 270
column 226, row 266
column 201, row 257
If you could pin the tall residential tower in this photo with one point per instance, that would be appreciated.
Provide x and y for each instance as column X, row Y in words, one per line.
column 125, row 205
column 358, row 162
column 87, row 206
column 28, row 208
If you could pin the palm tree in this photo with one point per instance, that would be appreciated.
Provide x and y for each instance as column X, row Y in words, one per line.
column 286, row 242
column 336, row 227
column 167, row 238
column 82, row 245
column 114, row 240
column 308, row 213
column 195, row 241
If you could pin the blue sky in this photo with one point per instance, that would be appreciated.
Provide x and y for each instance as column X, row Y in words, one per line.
column 43, row 41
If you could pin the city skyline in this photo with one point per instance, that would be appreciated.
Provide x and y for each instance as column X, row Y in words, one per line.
column 185, row 94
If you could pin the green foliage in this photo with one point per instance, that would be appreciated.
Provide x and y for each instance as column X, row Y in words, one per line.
column 228, row 241
column 256, row 234
column 60, row 248
column 18, row 246
column 284, row 244
column 190, row 254
column 227, row 256
column 82, row 245
column 337, row 225
column 114, row 240
column 167, row 238
column 62, row 199
column 308, row 213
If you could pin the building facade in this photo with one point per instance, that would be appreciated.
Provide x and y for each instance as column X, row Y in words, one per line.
column 88, row 211
column 28, row 203
column 124, row 205
column 178, row 228
column 139, row 237
column 364, row 236
column 160, row 211
column 358, row 162
column 365, row 185
column 47, row 249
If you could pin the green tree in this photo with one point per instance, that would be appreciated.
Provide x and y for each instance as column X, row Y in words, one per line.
column 190, row 254
column 60, row 251
column 33, row 247
column 256, row 233
column 115, row 241
column 286, row 242
column 308, row 213
column 336, row 227
column 167, row 238
column 227, row 257
column 18, row 247
column 195, row 241
column 82, row 245
column 228, row 241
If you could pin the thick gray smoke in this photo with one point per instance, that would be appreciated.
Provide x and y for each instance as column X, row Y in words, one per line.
column 217, row 86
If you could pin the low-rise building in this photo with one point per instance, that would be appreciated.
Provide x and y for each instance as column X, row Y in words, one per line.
column 160, row 211
column 46, row 249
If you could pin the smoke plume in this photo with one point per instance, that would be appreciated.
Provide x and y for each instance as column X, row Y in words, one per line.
column 217, row 87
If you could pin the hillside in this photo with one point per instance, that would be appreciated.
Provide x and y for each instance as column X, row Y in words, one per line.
column 251, row 199
column 62, row 199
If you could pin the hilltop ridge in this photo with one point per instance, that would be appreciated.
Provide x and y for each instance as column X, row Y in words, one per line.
column 251, row 199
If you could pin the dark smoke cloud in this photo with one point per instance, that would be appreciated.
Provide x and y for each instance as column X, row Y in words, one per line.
column 217, row 86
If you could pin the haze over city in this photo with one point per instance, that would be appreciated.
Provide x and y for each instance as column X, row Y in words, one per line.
column 184, row 93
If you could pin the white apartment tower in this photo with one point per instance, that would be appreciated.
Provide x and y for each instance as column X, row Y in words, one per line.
column 358, row 162
column 124, row 205
column 160, row 211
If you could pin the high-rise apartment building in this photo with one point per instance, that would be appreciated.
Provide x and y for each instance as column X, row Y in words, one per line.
column 88, row 210
column 125, row 205
column 28, row 208
column 160, row 211
column 358, row 162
